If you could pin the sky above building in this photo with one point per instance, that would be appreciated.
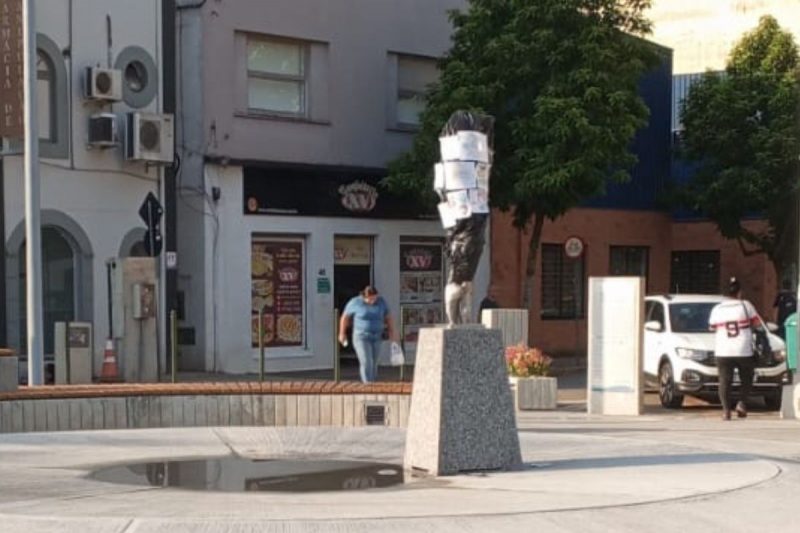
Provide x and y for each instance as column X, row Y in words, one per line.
column 702, row 32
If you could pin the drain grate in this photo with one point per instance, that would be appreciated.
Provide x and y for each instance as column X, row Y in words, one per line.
column 375, row 414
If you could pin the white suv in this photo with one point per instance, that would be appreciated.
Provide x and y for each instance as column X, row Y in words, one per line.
column 679, row 352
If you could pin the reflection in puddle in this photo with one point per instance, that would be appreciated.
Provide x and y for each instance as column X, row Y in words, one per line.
column 235, row 474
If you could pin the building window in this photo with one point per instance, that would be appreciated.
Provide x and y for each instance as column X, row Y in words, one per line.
column 59, row 275
column 278, row 290
column 563, row 284
column 629, row 261
column 414, row 76
column 695, row 272
column 276, row 76
column 45, row 78
column 654, row 312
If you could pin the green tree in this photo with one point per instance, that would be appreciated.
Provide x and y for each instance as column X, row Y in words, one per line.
column 741, row 133
column 560, row 77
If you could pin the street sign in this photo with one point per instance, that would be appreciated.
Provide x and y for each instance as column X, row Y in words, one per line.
column 151, row 212
column 573, row 247
column 11, row 69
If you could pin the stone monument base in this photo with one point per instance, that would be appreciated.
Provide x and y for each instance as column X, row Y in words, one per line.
column 462, row 413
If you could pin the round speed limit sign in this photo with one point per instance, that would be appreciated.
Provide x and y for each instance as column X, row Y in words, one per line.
column 573, row 247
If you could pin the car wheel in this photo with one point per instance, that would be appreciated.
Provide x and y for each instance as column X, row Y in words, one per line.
column 773, row 401
column 667, row 392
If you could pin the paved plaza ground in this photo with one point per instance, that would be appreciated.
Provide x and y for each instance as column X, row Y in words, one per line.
column 663, row 471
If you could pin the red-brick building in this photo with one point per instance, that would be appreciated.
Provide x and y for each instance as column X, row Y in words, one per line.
column 627, row 231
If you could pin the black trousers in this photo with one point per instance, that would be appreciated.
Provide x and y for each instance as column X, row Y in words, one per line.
column 725, row 366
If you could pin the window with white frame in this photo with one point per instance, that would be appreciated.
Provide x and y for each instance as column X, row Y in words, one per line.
column 45, row 79
column 276, row 76
column 414, row 76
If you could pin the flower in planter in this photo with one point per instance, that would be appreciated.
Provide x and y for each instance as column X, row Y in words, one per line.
column 524, row 361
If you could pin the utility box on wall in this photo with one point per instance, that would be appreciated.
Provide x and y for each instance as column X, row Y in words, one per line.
column 134, row 289
column 73, row 352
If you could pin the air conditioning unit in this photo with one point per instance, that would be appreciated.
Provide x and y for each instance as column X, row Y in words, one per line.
column 150, row 137
column 103, row 84
column 103, row 130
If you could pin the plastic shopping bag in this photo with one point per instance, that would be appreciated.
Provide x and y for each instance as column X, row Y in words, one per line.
column 397, row 358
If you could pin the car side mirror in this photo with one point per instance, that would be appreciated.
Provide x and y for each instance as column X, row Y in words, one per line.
column 772, row 326
column 653, row 325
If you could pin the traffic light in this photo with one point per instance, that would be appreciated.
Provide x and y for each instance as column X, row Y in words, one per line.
column 151, row 212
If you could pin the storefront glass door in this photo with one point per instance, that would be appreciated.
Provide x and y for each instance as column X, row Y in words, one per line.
column 352, row 272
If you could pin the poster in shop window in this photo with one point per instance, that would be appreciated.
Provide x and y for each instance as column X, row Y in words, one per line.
column 421, row 289
column 277, row 291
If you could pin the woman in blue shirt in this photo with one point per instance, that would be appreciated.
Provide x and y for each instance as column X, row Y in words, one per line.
column 369, row 316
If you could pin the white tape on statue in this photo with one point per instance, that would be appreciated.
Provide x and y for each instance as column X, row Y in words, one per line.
column 465, row 146
column 460, row 175
column 438, row 177
column 479, row 200
column 459, row 203
column 448, row 215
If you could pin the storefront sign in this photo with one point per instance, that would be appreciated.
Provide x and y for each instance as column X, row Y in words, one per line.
column 359, row 197
column 352, row 251
column 421, row 289
column 11, row 69
column 325, row 192
column 277, row 290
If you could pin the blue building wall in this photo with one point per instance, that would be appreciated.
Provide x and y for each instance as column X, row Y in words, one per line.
column 682, row 171
column 652, row 146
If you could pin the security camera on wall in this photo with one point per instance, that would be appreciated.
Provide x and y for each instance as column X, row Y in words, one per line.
column 103, row 84
column 150, row 137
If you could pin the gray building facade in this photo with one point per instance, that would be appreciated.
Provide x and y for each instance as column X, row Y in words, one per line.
column 289, row 112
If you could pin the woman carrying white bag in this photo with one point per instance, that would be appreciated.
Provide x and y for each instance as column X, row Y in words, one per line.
column 369, row 316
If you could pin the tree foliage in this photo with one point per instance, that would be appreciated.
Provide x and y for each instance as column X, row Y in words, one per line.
column 741, row 131
column 560, row 77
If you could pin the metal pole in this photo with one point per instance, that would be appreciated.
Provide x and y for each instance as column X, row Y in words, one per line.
column 337, row 370
column 261, row 345
column 33, row 232
column 173, row 327
column 403, row 340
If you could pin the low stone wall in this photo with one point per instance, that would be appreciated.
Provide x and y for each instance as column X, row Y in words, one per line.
column 65, row 408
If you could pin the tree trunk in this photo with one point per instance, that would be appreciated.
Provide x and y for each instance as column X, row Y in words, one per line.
column 533, row 255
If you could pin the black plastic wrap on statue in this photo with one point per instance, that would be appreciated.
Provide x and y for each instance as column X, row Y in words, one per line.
column 464, row 246
column 468, row 121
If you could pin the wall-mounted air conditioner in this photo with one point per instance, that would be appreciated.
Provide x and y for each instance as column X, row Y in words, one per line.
column 150, row 137
column 103, row 84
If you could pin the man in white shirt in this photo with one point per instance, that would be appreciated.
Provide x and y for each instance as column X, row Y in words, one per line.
column 733, row 322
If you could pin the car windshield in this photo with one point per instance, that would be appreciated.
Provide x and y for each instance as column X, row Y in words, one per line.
column 690, row 317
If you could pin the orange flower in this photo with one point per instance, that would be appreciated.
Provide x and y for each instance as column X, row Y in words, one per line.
column 523, row 361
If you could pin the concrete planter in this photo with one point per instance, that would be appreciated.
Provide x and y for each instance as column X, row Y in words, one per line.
column 534, row 393
column 9, row 370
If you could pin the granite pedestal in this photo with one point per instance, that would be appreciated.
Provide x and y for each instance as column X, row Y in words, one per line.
column 462, row 413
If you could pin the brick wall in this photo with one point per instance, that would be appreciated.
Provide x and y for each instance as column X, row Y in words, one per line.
column 600, row 229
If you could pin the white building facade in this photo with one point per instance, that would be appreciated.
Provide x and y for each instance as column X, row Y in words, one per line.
column 90, row 193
